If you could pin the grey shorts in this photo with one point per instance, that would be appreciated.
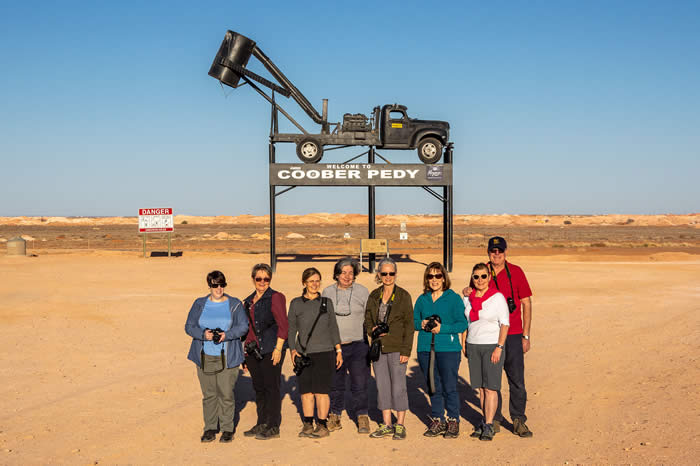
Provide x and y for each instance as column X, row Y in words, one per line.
column 482, row 372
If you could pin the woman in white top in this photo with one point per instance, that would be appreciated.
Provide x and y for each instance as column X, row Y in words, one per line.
column 487, row 312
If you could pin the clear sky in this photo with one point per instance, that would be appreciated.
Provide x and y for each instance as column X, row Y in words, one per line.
column 555, row 107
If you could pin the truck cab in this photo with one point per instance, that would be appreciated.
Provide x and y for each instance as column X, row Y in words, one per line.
column 399, row 131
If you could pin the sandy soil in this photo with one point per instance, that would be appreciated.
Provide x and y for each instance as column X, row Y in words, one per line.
column 94, row 364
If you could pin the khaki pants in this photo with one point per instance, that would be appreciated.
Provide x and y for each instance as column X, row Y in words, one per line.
column 217, row 394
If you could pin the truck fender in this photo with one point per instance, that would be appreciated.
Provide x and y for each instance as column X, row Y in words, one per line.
column 440, row 135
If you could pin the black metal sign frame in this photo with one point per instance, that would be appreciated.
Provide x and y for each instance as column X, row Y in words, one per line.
column 370, row 175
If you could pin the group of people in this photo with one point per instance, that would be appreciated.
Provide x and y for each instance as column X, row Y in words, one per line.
column 335, row 333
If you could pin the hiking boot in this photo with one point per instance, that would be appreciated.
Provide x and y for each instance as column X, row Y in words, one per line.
column 520, row 429
column 270, row 432
column 320, row 431
column 436, row 427
column 226, row 437
column 382, row 431
column 363, row 424
column 496, row 426
column 208, row 436
column 452, row 428
column 399, row 432
column 307, row 430
column 487, row 432
column 478, row 430
column 255, row 430
column 334, row 422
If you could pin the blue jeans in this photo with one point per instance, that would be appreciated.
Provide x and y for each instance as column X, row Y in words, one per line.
column 446, row 372
column 354, row 364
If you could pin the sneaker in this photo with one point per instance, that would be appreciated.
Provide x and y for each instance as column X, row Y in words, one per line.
column 208, row 436
column 487, row 432
column 363, row 424
column 399, row 432
column 334, row 422
column 382, row 431
column 452, row 428
column 520, row 429
column 436, row 427
column 307, row 430
column 270, row 432
column 496, row 426
column 255, row 430
column 320, row 431
column 478, row 430
column 226, row 437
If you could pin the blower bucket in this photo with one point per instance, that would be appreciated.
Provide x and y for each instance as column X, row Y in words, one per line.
column 235, row 49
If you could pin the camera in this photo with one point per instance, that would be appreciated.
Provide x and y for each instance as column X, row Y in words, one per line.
column 382, row 327
column 300, row 363
column 511, row 305
column 432, row 322
column 252, row 349
column 216, row 338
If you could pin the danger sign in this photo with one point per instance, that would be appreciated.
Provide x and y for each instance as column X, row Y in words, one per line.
column 155, row 220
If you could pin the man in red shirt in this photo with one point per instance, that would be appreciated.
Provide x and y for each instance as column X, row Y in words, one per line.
column 510, row 280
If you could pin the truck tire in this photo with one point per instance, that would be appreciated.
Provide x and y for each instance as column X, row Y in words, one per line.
column 429, row 150
column 309, row 150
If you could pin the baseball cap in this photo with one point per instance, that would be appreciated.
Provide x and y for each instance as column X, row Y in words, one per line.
column 498, row 243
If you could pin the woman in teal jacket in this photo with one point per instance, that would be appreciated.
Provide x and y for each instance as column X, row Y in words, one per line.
column 439, row 315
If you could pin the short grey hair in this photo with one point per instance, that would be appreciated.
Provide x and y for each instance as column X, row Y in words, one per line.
column 345, row 261
column 383, row 262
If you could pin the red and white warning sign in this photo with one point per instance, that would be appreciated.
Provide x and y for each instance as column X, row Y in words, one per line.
column 155, row 220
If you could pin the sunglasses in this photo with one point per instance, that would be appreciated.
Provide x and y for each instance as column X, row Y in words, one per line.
column 384, row 274
column 483, row 276
column 216, row 285
column 262, row 279
column 496, row 251
column 437, row 275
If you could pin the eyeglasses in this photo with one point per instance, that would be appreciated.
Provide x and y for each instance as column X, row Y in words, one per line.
column 483, row 276
column 262, row 279
column 496, row 251
column 437, row 275
column 216, row 285
column 384, row 274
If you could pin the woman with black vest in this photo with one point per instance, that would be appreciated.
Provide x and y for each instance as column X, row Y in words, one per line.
column 264, row 351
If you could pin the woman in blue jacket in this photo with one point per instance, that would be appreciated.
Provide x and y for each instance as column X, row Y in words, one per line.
column 216, row 324
column 439, row 316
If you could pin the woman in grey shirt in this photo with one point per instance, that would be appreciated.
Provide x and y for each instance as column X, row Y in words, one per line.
column 313, row 332
column 349, row 300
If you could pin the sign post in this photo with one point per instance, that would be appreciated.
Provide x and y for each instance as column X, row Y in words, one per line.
column 156, row 221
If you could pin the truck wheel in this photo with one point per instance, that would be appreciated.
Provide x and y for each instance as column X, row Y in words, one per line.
column 309, row 150
column 429, row 150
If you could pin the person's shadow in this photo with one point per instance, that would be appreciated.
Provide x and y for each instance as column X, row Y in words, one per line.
column 419, row 400
column 243, row 393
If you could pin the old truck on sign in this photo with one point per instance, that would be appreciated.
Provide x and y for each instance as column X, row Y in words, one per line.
column 388, row 127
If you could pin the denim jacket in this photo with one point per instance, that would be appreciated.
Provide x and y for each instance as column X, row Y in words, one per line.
column 238, row 330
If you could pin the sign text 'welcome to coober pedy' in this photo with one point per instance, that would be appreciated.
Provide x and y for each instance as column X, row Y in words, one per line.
column 360, row 174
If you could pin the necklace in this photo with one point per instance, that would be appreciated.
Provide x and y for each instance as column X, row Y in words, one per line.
column 338, row 302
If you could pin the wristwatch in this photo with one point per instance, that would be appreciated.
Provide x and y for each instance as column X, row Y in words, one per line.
column 499, row 346
column 527, row 337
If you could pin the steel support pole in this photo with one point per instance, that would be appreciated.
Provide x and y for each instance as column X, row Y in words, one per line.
column 371, row 213
column 448, row 213
column 273, row 232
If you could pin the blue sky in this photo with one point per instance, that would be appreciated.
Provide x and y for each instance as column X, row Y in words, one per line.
column 559, row 107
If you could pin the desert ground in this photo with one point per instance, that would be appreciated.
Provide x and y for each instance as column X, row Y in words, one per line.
column 94, row 368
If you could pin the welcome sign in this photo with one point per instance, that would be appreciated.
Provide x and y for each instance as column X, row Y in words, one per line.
column 360, row 174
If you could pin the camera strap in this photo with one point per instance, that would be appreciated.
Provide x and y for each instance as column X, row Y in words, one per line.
column 431, row 367
column 247, row 305
column 510, row 280
column 388, row 306
column 322, row 310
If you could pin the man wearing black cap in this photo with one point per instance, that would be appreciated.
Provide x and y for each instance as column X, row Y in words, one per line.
column 510, row 280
